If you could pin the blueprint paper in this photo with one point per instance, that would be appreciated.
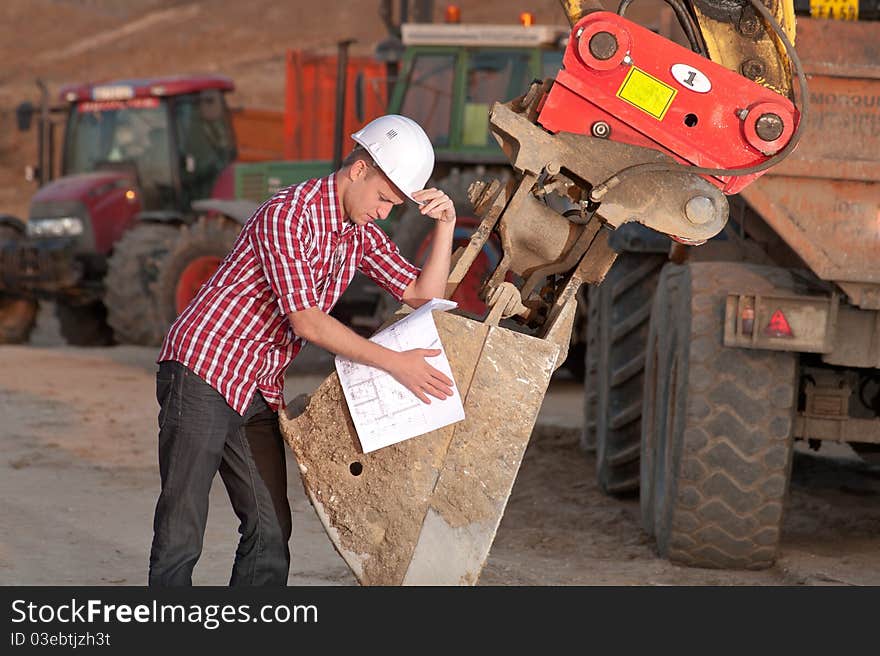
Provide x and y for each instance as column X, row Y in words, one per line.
column 385, row 412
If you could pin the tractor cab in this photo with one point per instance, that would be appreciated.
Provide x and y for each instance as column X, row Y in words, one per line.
column 172, row 135
column 452, row 73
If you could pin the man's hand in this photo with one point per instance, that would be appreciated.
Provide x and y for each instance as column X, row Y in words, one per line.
column 436, row 204
column 431, row 282
column 407, row 367
column 411, row 370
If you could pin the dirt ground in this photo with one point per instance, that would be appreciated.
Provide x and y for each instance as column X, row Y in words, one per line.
column 79, row 481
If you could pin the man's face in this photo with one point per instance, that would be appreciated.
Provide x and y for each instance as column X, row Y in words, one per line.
column 370, row 196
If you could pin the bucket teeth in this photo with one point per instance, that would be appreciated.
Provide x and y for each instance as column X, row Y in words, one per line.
column 475, row 191
column 481, row 194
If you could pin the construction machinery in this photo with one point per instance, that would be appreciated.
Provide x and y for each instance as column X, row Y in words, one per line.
column 138, row 158
column 703, row 371
column 451, row 73
column 634, row 129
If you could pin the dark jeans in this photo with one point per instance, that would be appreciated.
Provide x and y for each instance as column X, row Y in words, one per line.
column 199, row 434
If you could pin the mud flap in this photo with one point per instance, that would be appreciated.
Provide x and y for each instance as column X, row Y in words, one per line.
column 425, row 511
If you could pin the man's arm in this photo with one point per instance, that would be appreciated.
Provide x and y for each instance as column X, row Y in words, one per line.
column 431, row 282
column 409, row 368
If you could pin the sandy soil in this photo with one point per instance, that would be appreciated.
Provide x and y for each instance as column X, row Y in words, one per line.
column 79, row 481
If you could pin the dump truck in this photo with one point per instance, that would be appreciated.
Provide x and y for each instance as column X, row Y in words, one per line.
column 632, row 130
column 703, row 371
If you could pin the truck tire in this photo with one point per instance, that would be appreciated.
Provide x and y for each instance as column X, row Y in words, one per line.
column 84, row 325
column 18, row 314
column 132, row 272
column 620, row 309
column 197, row 252
column 591, row 374
column 716, row 430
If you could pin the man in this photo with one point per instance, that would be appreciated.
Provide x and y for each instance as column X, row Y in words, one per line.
column 221, row 368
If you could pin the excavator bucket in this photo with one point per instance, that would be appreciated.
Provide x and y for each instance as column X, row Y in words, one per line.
column 425, row 511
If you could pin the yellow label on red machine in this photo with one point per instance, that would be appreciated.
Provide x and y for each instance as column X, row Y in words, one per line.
column 835, row 9
column 646, row 92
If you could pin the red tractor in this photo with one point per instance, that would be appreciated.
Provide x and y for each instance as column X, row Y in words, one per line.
column 120, row 241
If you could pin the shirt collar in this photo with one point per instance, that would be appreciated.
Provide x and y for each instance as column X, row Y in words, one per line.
column 339, row 223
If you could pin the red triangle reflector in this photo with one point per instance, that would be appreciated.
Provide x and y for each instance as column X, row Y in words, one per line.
column 778, row 326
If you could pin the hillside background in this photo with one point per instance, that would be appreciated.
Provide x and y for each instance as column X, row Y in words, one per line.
column 63, row 41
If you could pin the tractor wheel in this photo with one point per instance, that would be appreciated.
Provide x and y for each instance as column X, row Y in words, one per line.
column 414, row 235
column 84, row 325
column 18, row 314
column 195, row 256
column 132, row 272
column 620, row 309
column 716, row 430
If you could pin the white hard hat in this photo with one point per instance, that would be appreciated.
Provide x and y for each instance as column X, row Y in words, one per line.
column 400, row 147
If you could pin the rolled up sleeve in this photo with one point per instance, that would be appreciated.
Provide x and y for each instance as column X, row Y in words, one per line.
column 279, row 237
column 383, row 263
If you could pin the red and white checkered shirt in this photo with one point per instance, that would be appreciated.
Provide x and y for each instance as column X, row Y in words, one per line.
column 297, row 251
